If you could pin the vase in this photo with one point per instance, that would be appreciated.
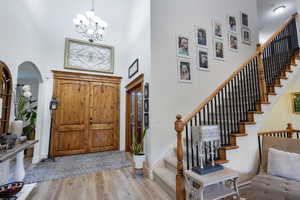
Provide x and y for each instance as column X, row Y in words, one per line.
column 17, row 128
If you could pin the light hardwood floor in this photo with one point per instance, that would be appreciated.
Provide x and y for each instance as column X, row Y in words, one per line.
column 107, row 185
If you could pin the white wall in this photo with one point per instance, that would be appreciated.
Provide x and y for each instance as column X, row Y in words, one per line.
column 35, row 31
column 168, row 96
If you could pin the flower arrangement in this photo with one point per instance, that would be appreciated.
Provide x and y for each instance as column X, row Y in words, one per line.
column 27, row 112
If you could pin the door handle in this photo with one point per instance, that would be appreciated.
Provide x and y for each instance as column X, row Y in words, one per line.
column 91, row 120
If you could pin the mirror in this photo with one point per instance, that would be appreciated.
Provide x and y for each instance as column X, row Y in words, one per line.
column 5, row 97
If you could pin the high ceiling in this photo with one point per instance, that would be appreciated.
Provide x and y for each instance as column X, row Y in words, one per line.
column 269, row 21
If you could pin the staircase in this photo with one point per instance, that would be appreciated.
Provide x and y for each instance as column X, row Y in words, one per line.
column 233, row 106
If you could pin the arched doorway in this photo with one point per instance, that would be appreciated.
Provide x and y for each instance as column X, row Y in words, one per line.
column 29, row 74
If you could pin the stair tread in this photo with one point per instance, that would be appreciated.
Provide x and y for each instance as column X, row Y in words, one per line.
column 265, row 102
column 239, row 134
column 248, row 123
column 167, row 176
column 256, row 112
column 226, row 121
column 230, row 147
column 220, row 162
column 272, row 93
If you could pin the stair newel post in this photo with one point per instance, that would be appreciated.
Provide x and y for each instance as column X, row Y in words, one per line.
column 261, row 70
column 290, row 130
column 180, row 181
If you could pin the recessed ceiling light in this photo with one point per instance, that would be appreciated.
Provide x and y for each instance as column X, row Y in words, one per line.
column 279, row 9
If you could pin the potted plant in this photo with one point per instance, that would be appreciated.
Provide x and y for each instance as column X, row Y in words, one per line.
column 137, row 149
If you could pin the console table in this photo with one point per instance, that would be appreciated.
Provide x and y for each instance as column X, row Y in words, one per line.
column 214, row 186
column 19, row 174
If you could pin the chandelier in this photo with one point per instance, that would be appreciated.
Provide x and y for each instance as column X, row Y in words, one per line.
column 89, row 25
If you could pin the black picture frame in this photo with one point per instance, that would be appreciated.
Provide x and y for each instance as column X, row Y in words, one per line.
column 146, row 120
column 146, row 91
column 146, row 105
column 133, row 69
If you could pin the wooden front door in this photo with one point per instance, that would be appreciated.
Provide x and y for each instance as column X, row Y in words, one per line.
column 87, row 118
column 104, row 117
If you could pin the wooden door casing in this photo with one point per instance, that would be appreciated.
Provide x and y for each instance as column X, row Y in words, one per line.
column 87, row 118
column 104, row 117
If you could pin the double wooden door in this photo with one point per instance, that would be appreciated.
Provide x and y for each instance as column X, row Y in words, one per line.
column 87, row 118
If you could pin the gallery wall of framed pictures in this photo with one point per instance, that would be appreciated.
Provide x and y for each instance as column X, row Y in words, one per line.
column 220, row 34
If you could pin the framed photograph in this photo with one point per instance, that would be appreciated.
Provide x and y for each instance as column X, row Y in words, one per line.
column 232, row 23
column 244, row 19
column 146, row 91
column 146, row 120
column 184, row 71
column 183, row 46
column 218, row 47
column 246, row 36
column 146, row 105
column 217, row 29
column 296, row 102
column 202, row 59
column 86, row 56
column 201, row 37
column 133, row 69
column 233, row 42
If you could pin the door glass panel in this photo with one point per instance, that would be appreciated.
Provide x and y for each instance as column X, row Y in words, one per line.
column 139, row 111
column 132, row 113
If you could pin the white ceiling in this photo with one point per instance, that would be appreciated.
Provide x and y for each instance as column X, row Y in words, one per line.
column 269, row 22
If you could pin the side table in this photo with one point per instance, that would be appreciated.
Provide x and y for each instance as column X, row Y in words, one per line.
column 214, row 186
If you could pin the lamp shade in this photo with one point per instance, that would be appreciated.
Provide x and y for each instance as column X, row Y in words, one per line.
column 210, row 133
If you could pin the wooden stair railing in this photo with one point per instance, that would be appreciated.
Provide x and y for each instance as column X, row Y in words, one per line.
column 289, row 132
column 232, row 105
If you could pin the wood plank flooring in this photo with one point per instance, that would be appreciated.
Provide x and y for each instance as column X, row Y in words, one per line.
column 106, row 185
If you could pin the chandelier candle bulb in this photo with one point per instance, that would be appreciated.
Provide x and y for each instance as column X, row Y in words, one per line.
column 90, row 14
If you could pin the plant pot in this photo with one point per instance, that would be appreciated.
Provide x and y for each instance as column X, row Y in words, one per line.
column 139, row 161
